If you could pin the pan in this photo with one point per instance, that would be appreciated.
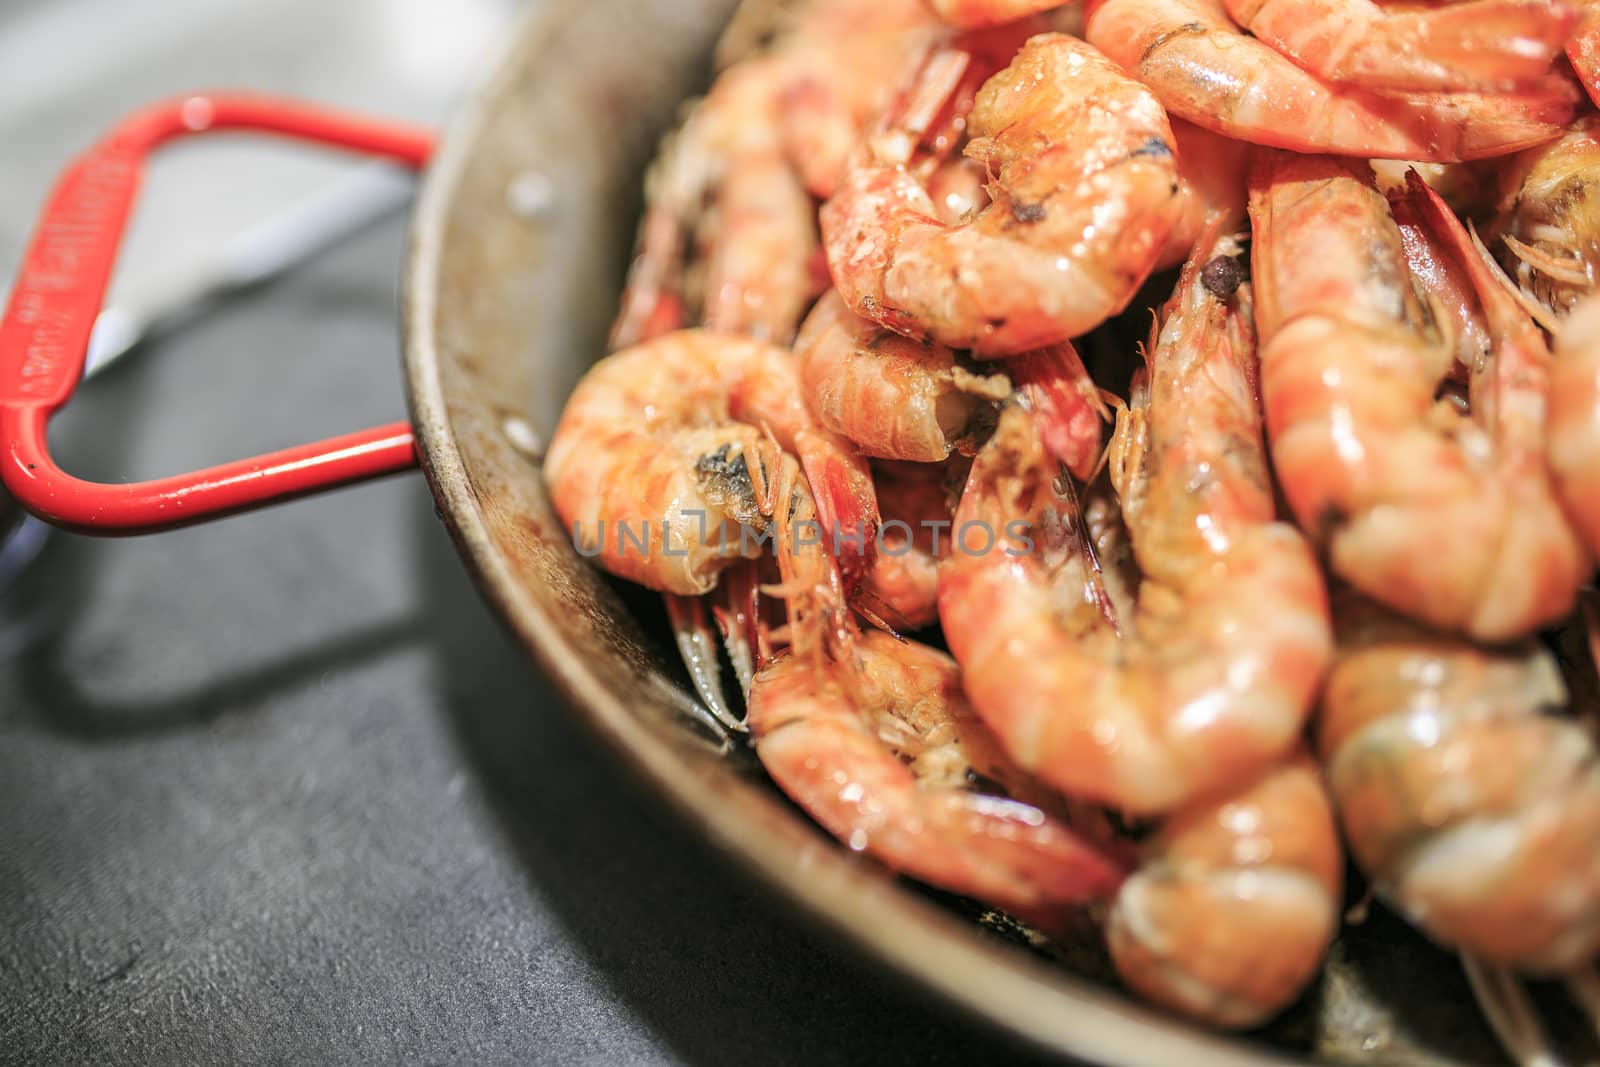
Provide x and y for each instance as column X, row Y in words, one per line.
column 518, row 246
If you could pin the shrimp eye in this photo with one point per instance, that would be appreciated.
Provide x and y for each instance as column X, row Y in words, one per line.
column 1027, row 212
column 1155, row 146
column 726, row 475
column 1222, row 276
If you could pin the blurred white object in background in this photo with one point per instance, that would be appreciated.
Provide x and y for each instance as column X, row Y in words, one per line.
column 222, row 212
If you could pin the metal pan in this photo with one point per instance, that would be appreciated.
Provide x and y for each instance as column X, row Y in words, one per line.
column 518, row 248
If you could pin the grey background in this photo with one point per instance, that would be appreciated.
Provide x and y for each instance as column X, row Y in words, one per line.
column 279, row 788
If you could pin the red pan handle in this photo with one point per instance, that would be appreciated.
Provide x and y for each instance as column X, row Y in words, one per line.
column 44, row 337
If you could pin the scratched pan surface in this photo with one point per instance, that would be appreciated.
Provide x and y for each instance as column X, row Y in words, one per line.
column 519, row 246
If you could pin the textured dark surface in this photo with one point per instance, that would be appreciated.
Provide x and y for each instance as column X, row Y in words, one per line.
column 279, row 789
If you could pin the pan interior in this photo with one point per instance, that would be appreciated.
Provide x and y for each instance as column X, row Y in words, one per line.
column 519, row 248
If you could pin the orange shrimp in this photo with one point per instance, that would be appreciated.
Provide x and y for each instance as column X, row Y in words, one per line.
column 729, row 233
column 1480, row 45
column 666, row 462
column 1209, row 682
column 751, row 252
column 1449, row 518
column 873, row 737
column 1474, row 810
column 758, row 277
column 894, row 397
column 1084, row 195
column 1235, row 900
column 847, row 62
column 1225, row 917
column 1196, row 60
column 1573, row 446
column 881, row 748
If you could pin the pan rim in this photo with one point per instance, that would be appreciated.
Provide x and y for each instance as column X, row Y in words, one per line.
column 1049, row 1009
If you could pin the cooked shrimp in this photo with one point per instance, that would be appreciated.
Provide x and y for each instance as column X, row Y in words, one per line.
column 847, row 62
column 1550, row 221
column 729, row 234
column 874, row 738
column 1084, row 192
column 1449, row 518
column 894, row 397
column 753, row 245
column 1573, row 447
column 882, row 750
column 1204, row 69
column 666, row 460
column 1234, row 901
column 1480, row 45
column 1209, row 682
column 1474, row 810
column 762, row 236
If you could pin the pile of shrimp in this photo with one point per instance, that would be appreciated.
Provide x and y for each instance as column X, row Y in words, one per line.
column 1138, row 458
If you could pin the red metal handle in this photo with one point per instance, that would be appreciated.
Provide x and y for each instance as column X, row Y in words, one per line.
column 44, row 338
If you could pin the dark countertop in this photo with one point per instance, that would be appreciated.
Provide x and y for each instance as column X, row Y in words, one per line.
column 281, row 789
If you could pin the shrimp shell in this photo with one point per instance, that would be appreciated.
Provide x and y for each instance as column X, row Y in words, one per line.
column 1475, row 810
column 1205, row 70
column 685, row 437
column 1452, row 519
column 1480, row 45
column 1235, row 900
column 1212, row 679
column 894, row 397
column 881, row 748
column 1084, row 194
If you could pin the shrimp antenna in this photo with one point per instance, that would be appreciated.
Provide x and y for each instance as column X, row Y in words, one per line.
column 1085, row 539
column 1511, row 1014
column 1583, row 986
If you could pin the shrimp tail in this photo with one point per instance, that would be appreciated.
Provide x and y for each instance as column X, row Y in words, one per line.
column 736, row 609
column 698, row 649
